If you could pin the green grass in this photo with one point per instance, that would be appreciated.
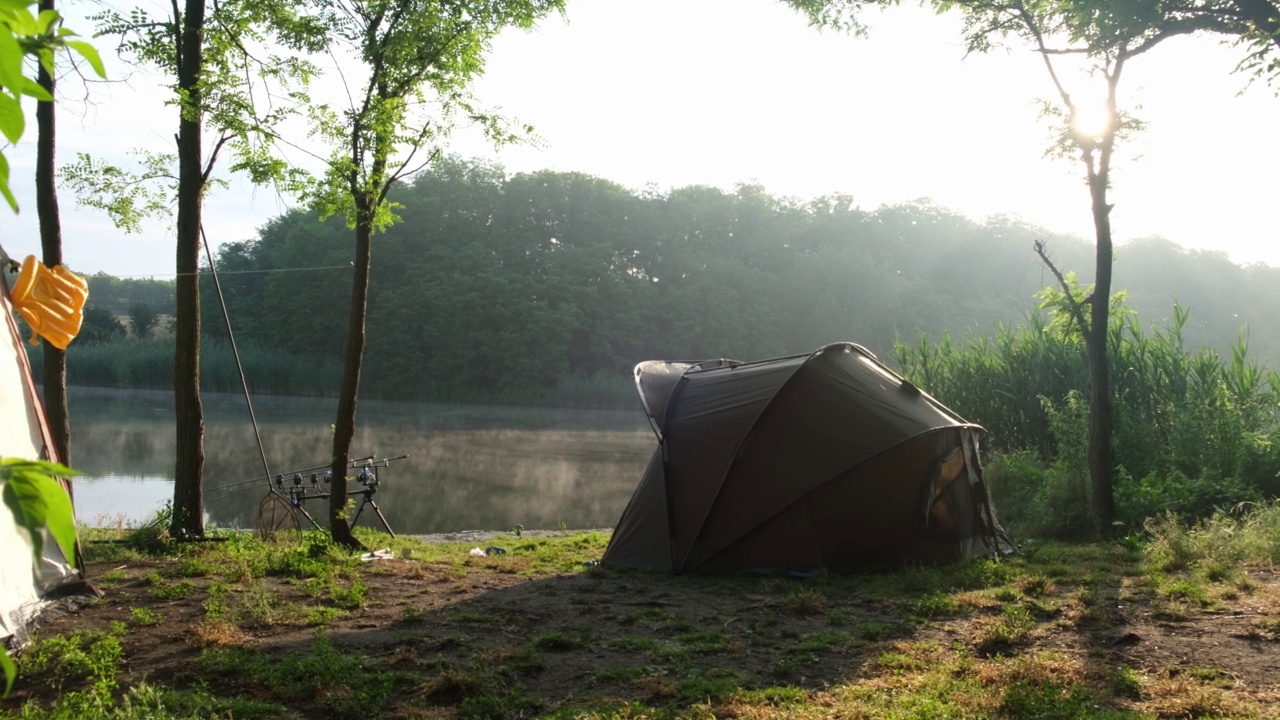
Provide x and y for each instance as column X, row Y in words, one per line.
column 555, row 642
column 331, row 683
column 172, row 590
column 960, row 641
column 145, row 617
column 936, row 605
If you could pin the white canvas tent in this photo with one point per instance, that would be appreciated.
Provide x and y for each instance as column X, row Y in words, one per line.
column 24, row 582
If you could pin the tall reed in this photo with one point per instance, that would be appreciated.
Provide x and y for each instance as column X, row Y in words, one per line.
column 1193, row 431
column 148, row 364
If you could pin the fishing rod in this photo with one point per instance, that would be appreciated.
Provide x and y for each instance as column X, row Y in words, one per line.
column 287, row 493
column 299, row 491
column 241, row 484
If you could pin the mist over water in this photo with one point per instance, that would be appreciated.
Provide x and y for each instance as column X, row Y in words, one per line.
column 469, row 466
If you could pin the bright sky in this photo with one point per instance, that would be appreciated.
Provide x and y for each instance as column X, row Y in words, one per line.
column 678, row 92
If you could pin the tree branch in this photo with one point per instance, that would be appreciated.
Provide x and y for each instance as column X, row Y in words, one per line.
column 177, row 38
column 1186, row 26
column 401, row 173
column 213, row 158
column 417, row 145
column 1033, row 27
column 1077, row 311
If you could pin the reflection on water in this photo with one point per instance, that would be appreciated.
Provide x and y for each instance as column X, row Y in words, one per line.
column 469, row 466
column 117, row 501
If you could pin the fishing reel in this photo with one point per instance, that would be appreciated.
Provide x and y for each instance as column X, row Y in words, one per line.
column 295, row 488
column 368, row 476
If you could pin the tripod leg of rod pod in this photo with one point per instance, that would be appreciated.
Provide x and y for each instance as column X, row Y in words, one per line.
column 368, row 500
column 382, row 517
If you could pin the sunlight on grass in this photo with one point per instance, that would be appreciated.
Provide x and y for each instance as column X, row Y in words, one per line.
column 468, row 637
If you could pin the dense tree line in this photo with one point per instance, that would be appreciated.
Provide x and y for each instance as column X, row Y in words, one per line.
column 118, row 295
column 521, row 281
column 497, row 282
column 494, row 280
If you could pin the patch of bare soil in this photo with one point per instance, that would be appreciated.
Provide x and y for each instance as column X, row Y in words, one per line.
column 575, row 638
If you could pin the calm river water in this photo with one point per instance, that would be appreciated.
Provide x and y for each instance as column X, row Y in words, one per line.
column 469, row 467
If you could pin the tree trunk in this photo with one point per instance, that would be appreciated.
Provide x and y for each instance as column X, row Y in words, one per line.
column 55, row 360
column 1102, row 505
column 188, row 496
column 345, row 426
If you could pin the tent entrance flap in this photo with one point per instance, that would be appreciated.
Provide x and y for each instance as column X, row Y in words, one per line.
column 827, row 460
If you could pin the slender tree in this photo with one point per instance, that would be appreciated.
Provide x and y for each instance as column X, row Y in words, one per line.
column 419, row 58
column 211, row 60
column 55, row 359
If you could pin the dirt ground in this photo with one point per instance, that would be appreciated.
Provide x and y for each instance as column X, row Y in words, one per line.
column 576, row 638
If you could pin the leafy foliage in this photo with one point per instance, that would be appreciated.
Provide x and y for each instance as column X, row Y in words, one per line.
column 23, row 34
column 242, row 95
column 127, row 197
column 1194, row 431
column 98, row 326
column 1098, row 25
column 414, row 55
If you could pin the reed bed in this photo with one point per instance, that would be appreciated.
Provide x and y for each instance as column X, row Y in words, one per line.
column 1194, row 431
column 148, row 364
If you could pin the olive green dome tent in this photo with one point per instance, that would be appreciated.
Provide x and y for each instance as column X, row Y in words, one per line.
column 828, row 460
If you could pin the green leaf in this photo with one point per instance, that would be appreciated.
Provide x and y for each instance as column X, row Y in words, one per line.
column 46, row 20
column 89, row 53
column 10, row 670
column 13, row 5
column 12, row 121
column 45, row 55
column 4, row 184
column 10, row 58
column 32, row 88
column 38, row 501
column 23, row 22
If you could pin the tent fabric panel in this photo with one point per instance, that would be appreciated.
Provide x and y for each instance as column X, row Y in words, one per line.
column 711, row 412
column 872, row 514
column 19, row 437
column 21, row 422
column 642, row 537
column 788, row 541
column 23, row 434
column 865, row 518
column 839, row 410
column 657, row 379
column 654, row 381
